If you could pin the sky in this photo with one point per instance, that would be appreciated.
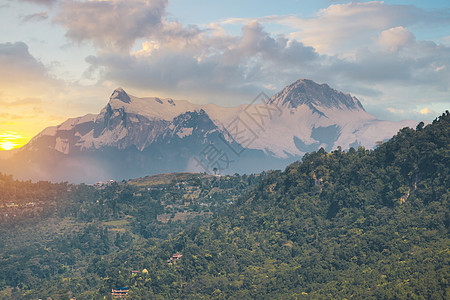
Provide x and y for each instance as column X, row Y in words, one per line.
column 63, row 58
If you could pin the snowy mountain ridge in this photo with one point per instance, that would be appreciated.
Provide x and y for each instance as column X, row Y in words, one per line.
column 152, row 131
column 309, row 110
column 305, row 91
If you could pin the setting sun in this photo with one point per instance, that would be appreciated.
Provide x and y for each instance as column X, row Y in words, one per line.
column 7, row 145
column 10, row 140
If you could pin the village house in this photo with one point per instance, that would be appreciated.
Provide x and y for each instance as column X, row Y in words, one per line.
column 120, row 292
column 174, row 258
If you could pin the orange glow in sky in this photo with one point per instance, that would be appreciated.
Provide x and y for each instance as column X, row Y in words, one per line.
column 10, row 140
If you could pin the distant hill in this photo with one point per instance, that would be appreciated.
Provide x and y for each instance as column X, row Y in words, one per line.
column 166, row 179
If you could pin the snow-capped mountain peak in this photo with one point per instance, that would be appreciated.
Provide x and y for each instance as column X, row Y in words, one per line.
column 148, row 107
column 134, row 136
column 308, row 92
column 121, row 95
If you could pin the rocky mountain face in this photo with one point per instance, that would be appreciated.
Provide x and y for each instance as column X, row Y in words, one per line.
column 133, row 137
column 305, row 91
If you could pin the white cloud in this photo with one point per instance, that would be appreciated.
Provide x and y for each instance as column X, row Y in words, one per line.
column 111, row 24
column 341, row 28
column 395, row 38
column 395, row 110
column 427, row 111
column 440, row 68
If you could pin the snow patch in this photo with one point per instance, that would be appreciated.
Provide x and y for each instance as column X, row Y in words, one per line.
column 72, row 122
column 62, row 145
column 184, row 132
column 50, row 131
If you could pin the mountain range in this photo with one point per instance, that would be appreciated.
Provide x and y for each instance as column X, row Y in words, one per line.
column 132, row 137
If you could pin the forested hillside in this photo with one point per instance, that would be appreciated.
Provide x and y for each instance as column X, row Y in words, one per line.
column 362, row 224
column 53, row 234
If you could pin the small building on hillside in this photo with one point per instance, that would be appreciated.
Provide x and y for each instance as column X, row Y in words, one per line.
column 120, row 292
column 174, row 258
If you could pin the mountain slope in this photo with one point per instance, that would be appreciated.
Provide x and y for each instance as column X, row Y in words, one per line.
column 360, row 224
column 133, row 137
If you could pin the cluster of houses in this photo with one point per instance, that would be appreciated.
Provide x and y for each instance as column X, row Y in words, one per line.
column 22, row 205
column 13, row 209
column 102, row 184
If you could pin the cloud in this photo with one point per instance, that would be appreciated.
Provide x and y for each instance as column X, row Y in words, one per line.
column 207, row 62
column 24, row 81
column 369, row 49
column 187, row 62
column 280, row 50
column 31, row 99
column 422, row 63
column 43, row 2
column 427, row 111
column 17, row 107
column 110, row 24
column 35, row 17
column 344, row 27
column 19, row 67
column 10, row 116
column 395, row 110
column 20, row 102
column 366, row 42
column 395, row 38
column 400, row 111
